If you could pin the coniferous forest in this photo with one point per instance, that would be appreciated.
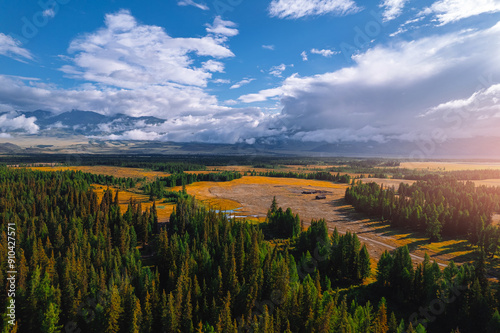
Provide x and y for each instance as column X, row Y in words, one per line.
column 84, row 265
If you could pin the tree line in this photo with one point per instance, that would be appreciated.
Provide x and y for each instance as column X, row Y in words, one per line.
column 437, row 207
column 319, row 175
column 441, row 300
column 158, row 188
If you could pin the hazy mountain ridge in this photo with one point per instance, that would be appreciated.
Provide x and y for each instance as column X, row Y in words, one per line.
column 89, row 123
column 93, row 129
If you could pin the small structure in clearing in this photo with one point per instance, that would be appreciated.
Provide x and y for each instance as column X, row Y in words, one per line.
column 309, row 192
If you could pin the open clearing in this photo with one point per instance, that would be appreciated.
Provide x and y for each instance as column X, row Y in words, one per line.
column 252, row 196
column 450, row 166
column 163, row 209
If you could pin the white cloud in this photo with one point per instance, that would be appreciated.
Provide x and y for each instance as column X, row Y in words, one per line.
column 11, row 47
column 229, row 127
column 268, row 47
column 5, row 136
column 130, row 55
column 221, row 81
column 277, row 70
column 135, row 134
column 481, row 102
column 383, row 91
column 324, row 53
column 13, row 122
column 213, row 66
column 293, row 9
column 50, row 13
column 448, row 11
column 392, row 9
column 304, row 56
column 476, row 114
column 158, row 100
column 241, row 83
column 192, row 3
column 223, row 28
column 139, row 70
column 399, row 31
column 191, row 114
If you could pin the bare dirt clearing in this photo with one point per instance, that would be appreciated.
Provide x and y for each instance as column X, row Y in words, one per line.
column 253, row 195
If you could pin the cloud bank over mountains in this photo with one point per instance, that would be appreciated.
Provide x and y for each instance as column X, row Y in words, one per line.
column 445, row 82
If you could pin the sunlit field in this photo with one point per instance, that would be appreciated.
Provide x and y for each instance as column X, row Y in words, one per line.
column 205, row 191
column 450, row 166
column 163, row 209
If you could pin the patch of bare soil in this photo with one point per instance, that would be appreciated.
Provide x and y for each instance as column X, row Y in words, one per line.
column 255, row 199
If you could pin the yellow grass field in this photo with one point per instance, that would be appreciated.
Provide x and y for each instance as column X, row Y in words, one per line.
column 108, row 171
column 163, row 209
column 203, row 191
column 450, row 166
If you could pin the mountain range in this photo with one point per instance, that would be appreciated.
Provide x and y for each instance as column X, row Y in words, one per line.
column 92, row 127
column 88, row 123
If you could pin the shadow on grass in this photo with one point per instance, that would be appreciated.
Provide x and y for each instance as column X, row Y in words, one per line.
column 462, row 246
column 341, row 202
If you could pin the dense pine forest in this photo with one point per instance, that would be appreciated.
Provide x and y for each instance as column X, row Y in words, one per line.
column 319, row 175
column 439, row 207
column 83, row 265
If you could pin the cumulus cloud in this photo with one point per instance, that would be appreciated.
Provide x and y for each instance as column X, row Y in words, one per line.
column 325, row 52
column 139, row 70
column 448, row 11
column 222, row 28
column 277, row 70
column 293, row 9
column 128, row 54
column 382, row 95
column 304, row 56
column 192, row 3
column 213, row 66
column 392, row 9
column 477, row 114
column 11, row 47
column 268, row 47
column 241, row 83
column 221, row 81
column 232, row 126
column 158, row 100
column 12, row 122
column 135, row 134
column 483, row 103
column 191, row 115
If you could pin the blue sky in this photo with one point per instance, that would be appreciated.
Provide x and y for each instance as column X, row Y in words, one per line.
column 239, row 70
